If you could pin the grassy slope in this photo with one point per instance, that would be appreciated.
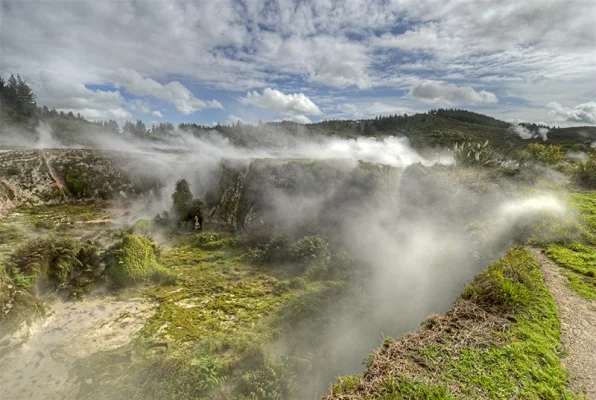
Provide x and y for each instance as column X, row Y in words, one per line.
column 521, row 362
column 579, row 257
column 425, row 130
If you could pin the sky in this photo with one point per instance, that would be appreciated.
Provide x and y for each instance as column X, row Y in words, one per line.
column 222, row 61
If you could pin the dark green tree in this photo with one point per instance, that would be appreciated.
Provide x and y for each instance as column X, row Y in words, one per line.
column 182, row 199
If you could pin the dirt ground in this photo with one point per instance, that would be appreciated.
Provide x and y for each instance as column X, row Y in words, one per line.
column 578, row 325
column 39, row 368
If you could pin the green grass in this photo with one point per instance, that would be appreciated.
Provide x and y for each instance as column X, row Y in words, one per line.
column 579, row 257
column 580, row 262
column 219, row 314
column 524, row 364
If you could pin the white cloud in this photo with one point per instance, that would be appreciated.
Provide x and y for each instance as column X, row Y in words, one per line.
column 140, row 106
column 581, row 114
column 449, row 94
column 233, row 120
column 157, row 114
column 296, row 103
column 66, row 96
column 324, row 44
column 173, row 92
column 373, row 109
column 301, row 119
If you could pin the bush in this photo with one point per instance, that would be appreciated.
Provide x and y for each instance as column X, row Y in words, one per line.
column 56, row 260
column 313, row 253
column 585, row 173
column 476, row 154
column 274, row 250
column 135, row 262
column 547, row 154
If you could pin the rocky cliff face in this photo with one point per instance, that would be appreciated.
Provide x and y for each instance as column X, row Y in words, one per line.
column 287, row 195
column 281, row 194
column 36, row 177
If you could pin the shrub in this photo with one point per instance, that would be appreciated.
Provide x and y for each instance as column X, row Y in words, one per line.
column 547, row 154
column 274, row 250
column 467, row 153
column 585, row 173
column 55, row 259
column 77, row 184
column 209, row 237
column 135, row 262
column 312, row 252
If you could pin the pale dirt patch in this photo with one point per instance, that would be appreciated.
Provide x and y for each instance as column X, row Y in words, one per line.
column 578, row 326
column 40, row 368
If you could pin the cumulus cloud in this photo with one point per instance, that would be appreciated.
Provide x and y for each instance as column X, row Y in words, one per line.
column 157, row 114
column 581, row 114
column 296, row 103
column 256, row 44
column 173, row 92
column 450, row 94
column 301, row 119
column 66, row 95
column 140, row 106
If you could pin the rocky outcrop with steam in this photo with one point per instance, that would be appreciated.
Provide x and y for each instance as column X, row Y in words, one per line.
column 35, row 177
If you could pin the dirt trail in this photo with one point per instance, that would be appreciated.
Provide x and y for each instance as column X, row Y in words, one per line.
column 578, row 325
column 55, row 177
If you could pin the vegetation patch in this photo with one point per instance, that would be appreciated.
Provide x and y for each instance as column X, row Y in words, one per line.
column 578, row 256
column 500, row 340
column 580, row 260
column 16, row 305
column 135, row 262
column 54, row 263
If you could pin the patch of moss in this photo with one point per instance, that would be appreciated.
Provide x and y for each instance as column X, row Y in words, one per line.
column 135, row 262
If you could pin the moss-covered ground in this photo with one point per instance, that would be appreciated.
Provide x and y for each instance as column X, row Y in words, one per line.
column 214, row 329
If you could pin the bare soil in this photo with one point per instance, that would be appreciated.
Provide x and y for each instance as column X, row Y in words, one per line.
column 40, row 367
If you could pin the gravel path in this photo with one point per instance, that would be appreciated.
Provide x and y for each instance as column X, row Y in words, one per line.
column 578, row 325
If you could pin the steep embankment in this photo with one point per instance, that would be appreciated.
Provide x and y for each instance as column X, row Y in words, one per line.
column 55, row 176
column 578, row 326
column 500, row 340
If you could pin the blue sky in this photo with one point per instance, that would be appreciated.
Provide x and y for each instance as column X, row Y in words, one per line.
column 219, row 61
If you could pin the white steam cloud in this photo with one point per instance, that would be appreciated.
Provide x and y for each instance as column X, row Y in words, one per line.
column 526, row 134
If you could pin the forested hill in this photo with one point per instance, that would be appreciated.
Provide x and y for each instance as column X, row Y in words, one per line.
column 21, row 117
